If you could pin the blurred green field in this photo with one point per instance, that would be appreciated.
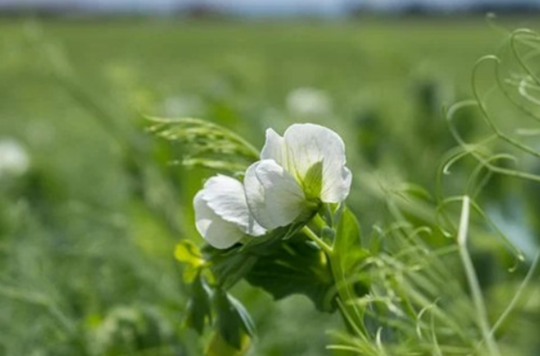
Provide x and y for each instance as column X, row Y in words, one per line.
column 87, row 234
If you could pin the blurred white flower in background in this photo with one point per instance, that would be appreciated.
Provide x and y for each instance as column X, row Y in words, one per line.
column 14, row 159
column 309, row 101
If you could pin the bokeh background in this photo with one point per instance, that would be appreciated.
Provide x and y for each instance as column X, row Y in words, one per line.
column 92, row 205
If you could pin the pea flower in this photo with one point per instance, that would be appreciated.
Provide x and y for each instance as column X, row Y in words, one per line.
column 222, row 215
column 309, row 102
column 14, row 160
column 295, row 174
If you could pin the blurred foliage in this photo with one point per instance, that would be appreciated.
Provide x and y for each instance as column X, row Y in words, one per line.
column 88, row 232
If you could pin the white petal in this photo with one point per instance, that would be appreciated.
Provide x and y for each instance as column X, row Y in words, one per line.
column 216, row 231
column 226, row 197
column 309, row 145
column 336, row 185
column 274, row 197
column 274, row 148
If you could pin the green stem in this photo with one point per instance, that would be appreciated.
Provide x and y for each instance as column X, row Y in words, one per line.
column 473, row 280
column 518, row 297
column 318, row 241
column 348, row 313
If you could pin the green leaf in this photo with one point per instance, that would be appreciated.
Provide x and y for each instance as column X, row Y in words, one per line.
column 230, row 266
column 296, row 267
column 348, row 255
column 247, row 322
column 217, row 346
column 348, row 248
column 233, row 321
column 199, row 309
column 188, row 253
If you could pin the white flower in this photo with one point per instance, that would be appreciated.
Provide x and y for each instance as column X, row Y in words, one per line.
column 296, row 172
column 308, row 102
column 222, row 216
column 14, row 160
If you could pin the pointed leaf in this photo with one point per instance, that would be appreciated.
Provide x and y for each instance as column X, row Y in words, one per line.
column 296, row 267
column 219, row 347
column 199, row 309
column 232, row 320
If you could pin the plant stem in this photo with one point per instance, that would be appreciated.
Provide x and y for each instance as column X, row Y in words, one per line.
column 349, row 315
column 318, row 241
column 473, row 280
column 518, row 296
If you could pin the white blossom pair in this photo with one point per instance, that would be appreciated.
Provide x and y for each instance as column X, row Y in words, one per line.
column 295, row 174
